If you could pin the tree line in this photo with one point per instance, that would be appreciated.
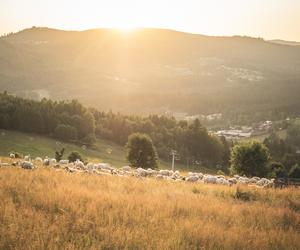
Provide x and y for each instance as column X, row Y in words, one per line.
column 71, row 121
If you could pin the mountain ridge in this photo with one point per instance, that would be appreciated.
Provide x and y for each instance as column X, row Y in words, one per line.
column 149, row 70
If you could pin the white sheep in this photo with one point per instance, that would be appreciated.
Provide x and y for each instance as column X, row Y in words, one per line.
column 64, row 162
column 104, row 166
column 223, row 181
column 27, row 158
column 46, row 161
column 126, row 168
column 199, row 175
column 27, row 165
column 12, row 156
column 142, row 172
column 79, row 164
column 52, row 161
column 159, row 177
column 38, row 159
column 232, row 180
column 90, row 166
column 192, row 178
column 151, row 172
column 210, row 179
column 263, row 182
column 166, row 172
column 243, row 180
column 254, row 180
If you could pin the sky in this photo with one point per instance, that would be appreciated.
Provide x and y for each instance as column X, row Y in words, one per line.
column 269, row 19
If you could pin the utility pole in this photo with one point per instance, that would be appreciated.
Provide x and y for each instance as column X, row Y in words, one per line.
column 173, row 153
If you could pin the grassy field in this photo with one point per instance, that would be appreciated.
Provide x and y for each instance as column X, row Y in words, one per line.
column 36, row 145
column 102, row 151
column 48, row 209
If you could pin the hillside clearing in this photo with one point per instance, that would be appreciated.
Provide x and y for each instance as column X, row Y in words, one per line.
column 41, row 146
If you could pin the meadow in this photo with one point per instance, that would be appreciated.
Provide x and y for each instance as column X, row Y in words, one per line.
column 52, row 209
column 103, row 150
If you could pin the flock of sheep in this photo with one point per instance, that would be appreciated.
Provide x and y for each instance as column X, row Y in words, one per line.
column 126, row 171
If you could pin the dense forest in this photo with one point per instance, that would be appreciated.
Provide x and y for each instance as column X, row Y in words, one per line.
column 71, row 121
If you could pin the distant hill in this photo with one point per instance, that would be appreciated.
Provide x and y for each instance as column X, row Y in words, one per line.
column 283, row 42
column 151, row 70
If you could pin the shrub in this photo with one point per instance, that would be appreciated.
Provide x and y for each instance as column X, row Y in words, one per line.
column 295, row 171
column 243, row 195
column 59, row 155
column 73, row 156
column 220, row 172
column 276, row 170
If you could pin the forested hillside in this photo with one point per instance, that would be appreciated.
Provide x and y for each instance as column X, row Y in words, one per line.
column 71, row 121
column 151, row 70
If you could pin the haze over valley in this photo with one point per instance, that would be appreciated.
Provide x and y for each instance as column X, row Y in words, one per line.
column 147, row 70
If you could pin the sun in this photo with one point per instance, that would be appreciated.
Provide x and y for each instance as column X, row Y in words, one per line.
column 125, row 28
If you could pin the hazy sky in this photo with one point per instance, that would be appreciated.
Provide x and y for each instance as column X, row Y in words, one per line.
column 259, row 18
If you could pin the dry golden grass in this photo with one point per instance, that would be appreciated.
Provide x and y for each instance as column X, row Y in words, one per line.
column 48, row 209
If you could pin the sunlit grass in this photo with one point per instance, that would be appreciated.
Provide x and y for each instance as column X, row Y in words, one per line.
column 48, row 209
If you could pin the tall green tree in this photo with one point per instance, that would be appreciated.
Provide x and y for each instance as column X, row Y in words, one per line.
column 141, row 152
column 250, row 159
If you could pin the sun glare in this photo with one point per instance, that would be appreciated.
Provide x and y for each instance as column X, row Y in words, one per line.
column 125, row 28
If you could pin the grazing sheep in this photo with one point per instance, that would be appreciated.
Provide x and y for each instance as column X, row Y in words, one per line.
column 270, row 184
column 254, row 180
column 90, row 166
column 166, row 172
column 232, row 180
column 159, row 177
column 263, row 182
column 199, row 175
column 27, row 158
column 79, row 164
column 104, row 166
column 192, row 178
column 142, row 172
column 27, row 165
column 243, row 180
column 64, row 162
column 126, row 168
column 38, row 159
column 210, row 179
column 223, row 181
column 53, row 161
column 151, row 172
column 12, row 156
column 176, row 175
column 46, row 162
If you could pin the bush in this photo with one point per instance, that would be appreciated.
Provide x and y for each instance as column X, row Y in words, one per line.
column 59, row 155
column 295, row 171
column 249, row 159
column 73, row 156
column 239, row 194
column 220, row 172
column 276, row 170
